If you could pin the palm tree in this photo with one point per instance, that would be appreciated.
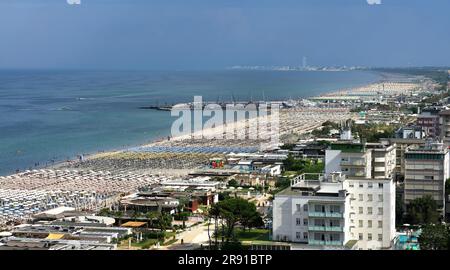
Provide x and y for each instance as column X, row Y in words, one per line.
column 151, row 216
column 214, row 213
column 164, row 221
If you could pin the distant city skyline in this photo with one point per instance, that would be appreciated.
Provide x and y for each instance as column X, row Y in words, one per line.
column 201, row 34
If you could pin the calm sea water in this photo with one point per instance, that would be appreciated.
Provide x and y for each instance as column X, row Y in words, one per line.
column 56, row 115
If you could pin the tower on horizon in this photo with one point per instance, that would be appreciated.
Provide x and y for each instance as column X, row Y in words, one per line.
column 304, row 63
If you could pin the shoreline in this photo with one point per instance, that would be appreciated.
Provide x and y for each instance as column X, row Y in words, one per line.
column 151, row 142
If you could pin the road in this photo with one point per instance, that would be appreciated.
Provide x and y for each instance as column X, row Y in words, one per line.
column 192, row 238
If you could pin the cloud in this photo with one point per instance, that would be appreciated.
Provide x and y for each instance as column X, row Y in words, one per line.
column 374, row 2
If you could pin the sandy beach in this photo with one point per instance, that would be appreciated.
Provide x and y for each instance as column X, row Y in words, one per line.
column 182, row 154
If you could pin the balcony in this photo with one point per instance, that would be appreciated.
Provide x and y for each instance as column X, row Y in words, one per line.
column 316, row 242
column 333, row 243
column 334, row 215
column 326, row 228
column 325, row 243
column 353, row 163
column 316, row 228
column 379, row 169
column 325, row 214
column 334, row 229
column 316, row 214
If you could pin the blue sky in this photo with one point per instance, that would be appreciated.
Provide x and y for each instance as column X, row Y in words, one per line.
column 210, row 34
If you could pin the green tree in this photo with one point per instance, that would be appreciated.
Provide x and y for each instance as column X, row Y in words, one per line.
column 214, row 213
column 163, row 222
column 224, row 195
column 293, row 164
column 399, row 210
column 105, row 212
column 233, row 183
column 422, row 211
column 434, row 237
column 234, row 211
column 151, row 216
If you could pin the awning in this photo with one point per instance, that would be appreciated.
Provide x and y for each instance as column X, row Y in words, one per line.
column 54, row 236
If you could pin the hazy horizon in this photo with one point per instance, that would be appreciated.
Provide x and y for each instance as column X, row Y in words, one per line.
column 211, row 35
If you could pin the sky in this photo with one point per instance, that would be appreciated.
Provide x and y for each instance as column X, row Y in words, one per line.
column 215, row 34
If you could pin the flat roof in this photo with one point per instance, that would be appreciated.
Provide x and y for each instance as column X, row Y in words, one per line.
column 134, row 224
column 55, row 236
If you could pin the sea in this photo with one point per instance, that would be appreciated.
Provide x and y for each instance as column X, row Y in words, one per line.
column 48, row 116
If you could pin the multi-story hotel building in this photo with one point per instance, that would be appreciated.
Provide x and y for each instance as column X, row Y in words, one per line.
column 372, row 212
column 445, row 126
column 349, row 157
column 336, row 212
column 426, row 171
column 383, row 159
column 429, row 121
column 312, row 212
column 400, row 147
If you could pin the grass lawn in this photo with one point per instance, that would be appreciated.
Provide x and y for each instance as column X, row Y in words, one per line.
column 148, row 243
column 145, row 244
column 253, row 235
column 171, row 241
column 290, row 173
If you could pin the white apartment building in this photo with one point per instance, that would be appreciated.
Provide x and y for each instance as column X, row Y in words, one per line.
column 401, row 145
column 383, row 159
column 350, row 158
column 312, row 212
column 372, row 212
column 336, row 212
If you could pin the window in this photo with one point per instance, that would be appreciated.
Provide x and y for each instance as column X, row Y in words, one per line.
column 369, row 237
column 380, row 224
column 369, row 197
column 299, row 207
column 361, row 197
column 361, row 185
column 361, row 224
column 361, row 211
column 305, row 222
column 369, row 185
column 369, row 223
column 298, row 221
column 380, row 197
column 298, row 235
column 380, row 237
column 380, row 185
column 369, row 210
column 319, row 208
column 335, row 209
column 351, row 184
column 360, row 236
column 305, row 235
column 429, row 177
column 305, row 208
column 380, row 211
